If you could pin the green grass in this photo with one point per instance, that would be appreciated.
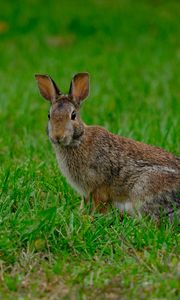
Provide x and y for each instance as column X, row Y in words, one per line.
column 49, row 249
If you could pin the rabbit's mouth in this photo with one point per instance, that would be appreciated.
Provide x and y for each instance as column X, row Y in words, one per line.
column 66, row 141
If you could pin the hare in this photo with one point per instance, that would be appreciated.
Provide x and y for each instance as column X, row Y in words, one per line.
column 133, row 176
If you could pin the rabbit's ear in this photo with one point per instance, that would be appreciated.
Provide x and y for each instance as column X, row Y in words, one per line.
column 47, row 87
column 79, row 88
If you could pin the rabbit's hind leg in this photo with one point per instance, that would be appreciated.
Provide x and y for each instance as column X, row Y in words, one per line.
column 165, row 204
column 158, row 194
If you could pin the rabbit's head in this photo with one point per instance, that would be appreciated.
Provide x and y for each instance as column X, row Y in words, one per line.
column 64, row 125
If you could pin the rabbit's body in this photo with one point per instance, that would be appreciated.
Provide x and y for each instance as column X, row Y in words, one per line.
column 130, row 174
column 112, row 169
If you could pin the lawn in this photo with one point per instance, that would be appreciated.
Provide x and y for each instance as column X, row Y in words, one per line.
column 49, row 248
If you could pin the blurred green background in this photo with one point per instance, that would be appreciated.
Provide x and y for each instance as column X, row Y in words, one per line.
column 132, row 51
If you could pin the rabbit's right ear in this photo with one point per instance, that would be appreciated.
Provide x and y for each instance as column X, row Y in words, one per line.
column 47, row 87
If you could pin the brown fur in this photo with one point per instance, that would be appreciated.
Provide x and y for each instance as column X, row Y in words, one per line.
column 108, row 167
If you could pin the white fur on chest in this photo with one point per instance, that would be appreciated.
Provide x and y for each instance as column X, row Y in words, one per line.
column 62, row 163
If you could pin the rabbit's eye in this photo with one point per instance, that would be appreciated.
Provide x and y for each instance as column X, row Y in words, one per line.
column 49, row 116
column 73, row 115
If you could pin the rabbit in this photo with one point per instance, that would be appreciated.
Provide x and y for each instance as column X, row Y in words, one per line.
column 133, row 176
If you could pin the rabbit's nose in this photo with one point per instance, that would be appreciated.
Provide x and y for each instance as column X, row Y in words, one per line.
column 58, row 138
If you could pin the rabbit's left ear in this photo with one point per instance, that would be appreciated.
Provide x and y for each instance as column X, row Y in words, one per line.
column 79, row 88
